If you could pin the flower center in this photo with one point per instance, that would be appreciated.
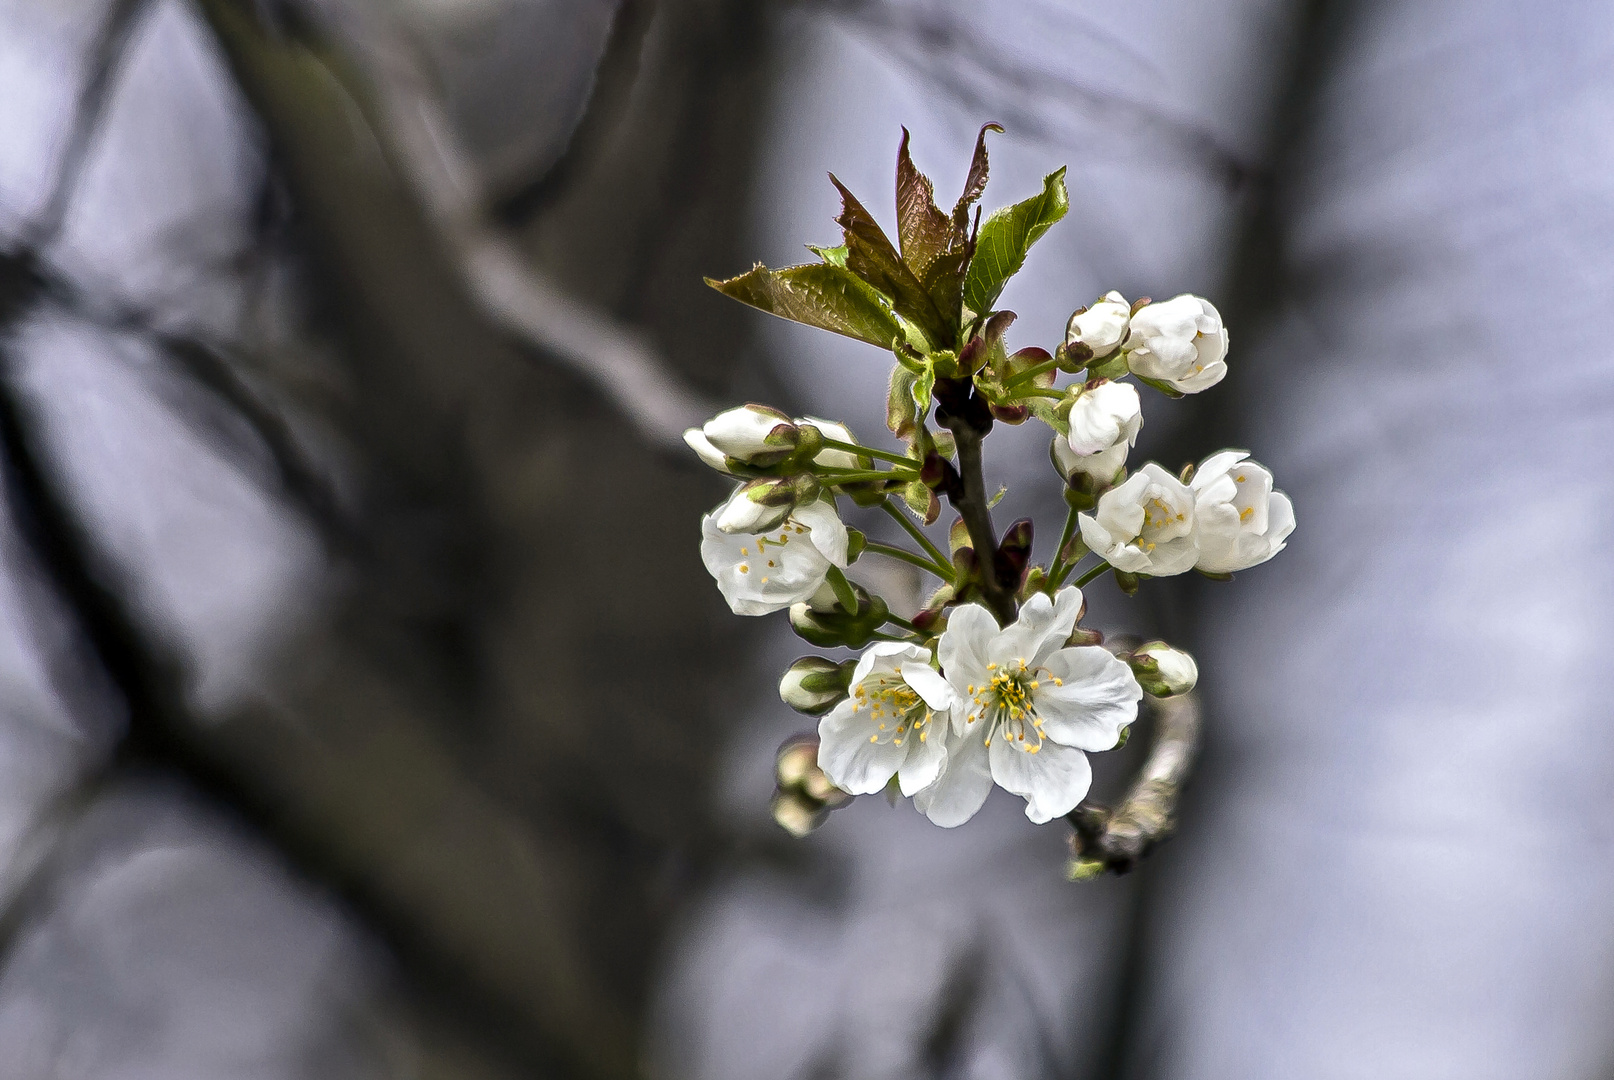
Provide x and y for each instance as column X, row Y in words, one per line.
column 764, row 563
column 1007, row 705
column 1161, row 522
column 894, row 708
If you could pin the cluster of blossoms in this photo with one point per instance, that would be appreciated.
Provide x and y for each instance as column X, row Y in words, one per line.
column 993, row 680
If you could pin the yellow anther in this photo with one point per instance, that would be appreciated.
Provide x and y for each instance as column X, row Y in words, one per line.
column 744, row 569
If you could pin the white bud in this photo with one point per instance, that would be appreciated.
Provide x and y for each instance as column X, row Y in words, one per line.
column 757, row 507
column 1101, row 466
column 754, row 434
column 697, row 441
column 1180, row 342
column 1164, row 671
column 1104, row 416
column 813, row 685
column 1101, row 327
column 831, row 457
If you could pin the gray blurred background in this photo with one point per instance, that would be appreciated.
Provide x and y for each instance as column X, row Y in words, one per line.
column 367, row 711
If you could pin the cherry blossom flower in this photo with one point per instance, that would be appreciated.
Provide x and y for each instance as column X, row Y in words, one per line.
column 762, row 573
column 1240, row 521
column 1028, row 707
column 1144, row 526
column 893, row 723
column 1180, row 342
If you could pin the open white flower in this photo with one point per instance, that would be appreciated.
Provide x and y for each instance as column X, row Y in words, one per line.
column 1144, row 526
column 1180, row 342
column 758, row 574
column 1101, row 327
column 1027, row 707
column 894, row 723
column 1239, row 520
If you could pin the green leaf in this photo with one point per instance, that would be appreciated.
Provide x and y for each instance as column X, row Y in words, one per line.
column 824, row 295
column 901, row 415
column 922, row 229
column 922, row 387
column 870, row 256
column 1005, row 238
column 994, row 500
column 842, row 589
column 835, row 255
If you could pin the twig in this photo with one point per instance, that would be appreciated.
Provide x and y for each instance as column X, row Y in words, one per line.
column 971, row 504
column 1116, row 839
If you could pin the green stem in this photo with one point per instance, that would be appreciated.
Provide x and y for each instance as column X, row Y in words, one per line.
column 858, row 476
column 906, row 625
column 906, row 556
column 856, row 448
column 878, row 636
column 1030, row 373
column 1057, row 569
column 1091, row 574
column 919, row 537
column 1037, row 391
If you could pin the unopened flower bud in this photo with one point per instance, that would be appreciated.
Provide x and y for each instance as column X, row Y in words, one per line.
column 1102, row 466
column 1164, row 671
column 754, row 434
column 796, row 814
column 697, row 441
column 757, row 506
column 813, row 684
column 1102, row 327
column 832, row 457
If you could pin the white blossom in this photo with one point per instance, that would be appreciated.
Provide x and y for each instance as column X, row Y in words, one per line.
column 894, row 723
column 1239, row 520
column 1027, row 707
column 1180, row 342
column 754, row 434
column 1101, row 327
column 1145, row 525
column 830, row 456
column 758, row 574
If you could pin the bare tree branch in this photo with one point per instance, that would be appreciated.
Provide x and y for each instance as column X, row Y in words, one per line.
column 1116, row 839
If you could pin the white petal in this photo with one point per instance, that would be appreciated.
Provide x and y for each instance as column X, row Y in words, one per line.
column 826, row 530
column 1099, row 697
column 963, row 645
column 925, row 761
column 1215, row 467
column 928, row 683
column 697, row 441
column 1052, row 780
column 851, row 761
column 964, row 783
